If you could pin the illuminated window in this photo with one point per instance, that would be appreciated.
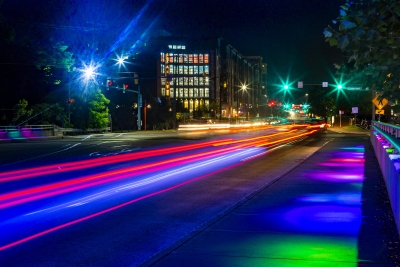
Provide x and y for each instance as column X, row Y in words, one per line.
column 201, row 92
column 201, row 81
column 180, row 58
column 190, row 80
column 195, row 58
column 178, row 47
column 180, row 80
column 170, row 46
column 162, row 68
column 195, row 70
column 162, row 57
column 207, row 81
column 163, row 81
column 185, row 80
column 185, row 58
column 183, row 47
column 196, row 92
column 195, row 80
column 196, row 104
column 190, row 58
column 207, row 92
column 190, row 70
column 186, row 103
column 205, row 58
column 200, row 58
column 186, row 92
column 185, row 69
column 171, row 58
column 176, row 57
column 171, row 92
column 180, row 69
column 207, row 102
column 206, row 69
column 181, row 92
column 163, row 91
column 190, row 92
column 174, row 47
column 200, row 69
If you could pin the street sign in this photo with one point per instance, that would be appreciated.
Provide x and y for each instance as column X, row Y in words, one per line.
column 379, row 103
column 324, row 84
column 379, row 111
column 341, row 112
column 300, row 84
column 353, row 87
column 354, row 110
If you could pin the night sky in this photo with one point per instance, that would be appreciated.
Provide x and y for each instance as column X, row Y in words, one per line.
column 286, row 33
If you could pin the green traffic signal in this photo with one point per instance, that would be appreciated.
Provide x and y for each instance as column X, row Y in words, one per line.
column 286, row 86
column 339, row 86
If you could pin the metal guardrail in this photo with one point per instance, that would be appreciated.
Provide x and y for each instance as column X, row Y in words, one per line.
column 41, row 131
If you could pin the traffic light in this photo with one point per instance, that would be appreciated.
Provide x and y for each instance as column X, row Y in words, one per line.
column 124, row 86
column 286, row 87
column 136, row 76
column 339, row 86
column 109, row 84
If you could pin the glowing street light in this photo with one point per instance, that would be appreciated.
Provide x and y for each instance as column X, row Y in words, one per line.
column 89, row 72
column 339, row 86
column 286, row 87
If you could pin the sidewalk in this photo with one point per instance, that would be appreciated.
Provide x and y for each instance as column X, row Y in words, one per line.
column 332, row 210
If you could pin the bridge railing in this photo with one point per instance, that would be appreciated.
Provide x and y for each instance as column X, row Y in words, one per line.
column 385, row 139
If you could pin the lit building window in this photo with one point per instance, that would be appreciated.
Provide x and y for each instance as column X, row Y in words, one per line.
column 185, row 80
column 171, row 92
column 181, row 92
column 180, row 69
column 201, row 92
column 195, row 92
column 163, row 91
column 207, row 82
column 195, row 80
column 190, row 70
column 179, row 47
column 185, row 69
column 201, row 58
column 206, row 69
column 174, row 47
column 162, row 57
column 207, row 92
column 186, row 103
column 195, row 70
column 196, row 104
column 201, row 81
column 170, row 46
column 183, row 47
column 207, row 102
column 180, row 58
column 176, row 58
column 163, row 81
column 171, row 58
column 195, row 58
column 180, row 80
column 190, row 58
column 190, row 92
column 186, row 93
column 185, row 58
column 162, row 68
column 200, row 69
column 205, row 58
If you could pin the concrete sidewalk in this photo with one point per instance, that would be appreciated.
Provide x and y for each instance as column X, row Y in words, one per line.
column 332, row 210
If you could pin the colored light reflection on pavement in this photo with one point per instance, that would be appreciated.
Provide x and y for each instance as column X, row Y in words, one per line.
column 75, row 198
column 316, row 225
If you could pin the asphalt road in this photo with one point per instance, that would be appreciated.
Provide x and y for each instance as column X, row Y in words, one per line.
column 127, row 228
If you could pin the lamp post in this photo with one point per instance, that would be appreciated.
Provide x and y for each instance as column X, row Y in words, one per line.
column 144, row 113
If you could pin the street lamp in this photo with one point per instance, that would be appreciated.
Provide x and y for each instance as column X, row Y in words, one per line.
column 146, row 106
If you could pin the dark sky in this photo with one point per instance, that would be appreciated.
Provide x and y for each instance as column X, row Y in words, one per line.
column 286, row 33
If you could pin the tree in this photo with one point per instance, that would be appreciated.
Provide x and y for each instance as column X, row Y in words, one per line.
column 368, row 32
column 321, row 103
column 21, row 113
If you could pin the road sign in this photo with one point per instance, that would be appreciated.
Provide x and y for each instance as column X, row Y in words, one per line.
column 341, row 112
column 379, row 111
column 324, row 84
column 354, row 110
column 300, row 84
column 379, row 103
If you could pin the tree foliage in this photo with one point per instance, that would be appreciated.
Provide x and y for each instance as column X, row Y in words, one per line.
column 368, row 32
